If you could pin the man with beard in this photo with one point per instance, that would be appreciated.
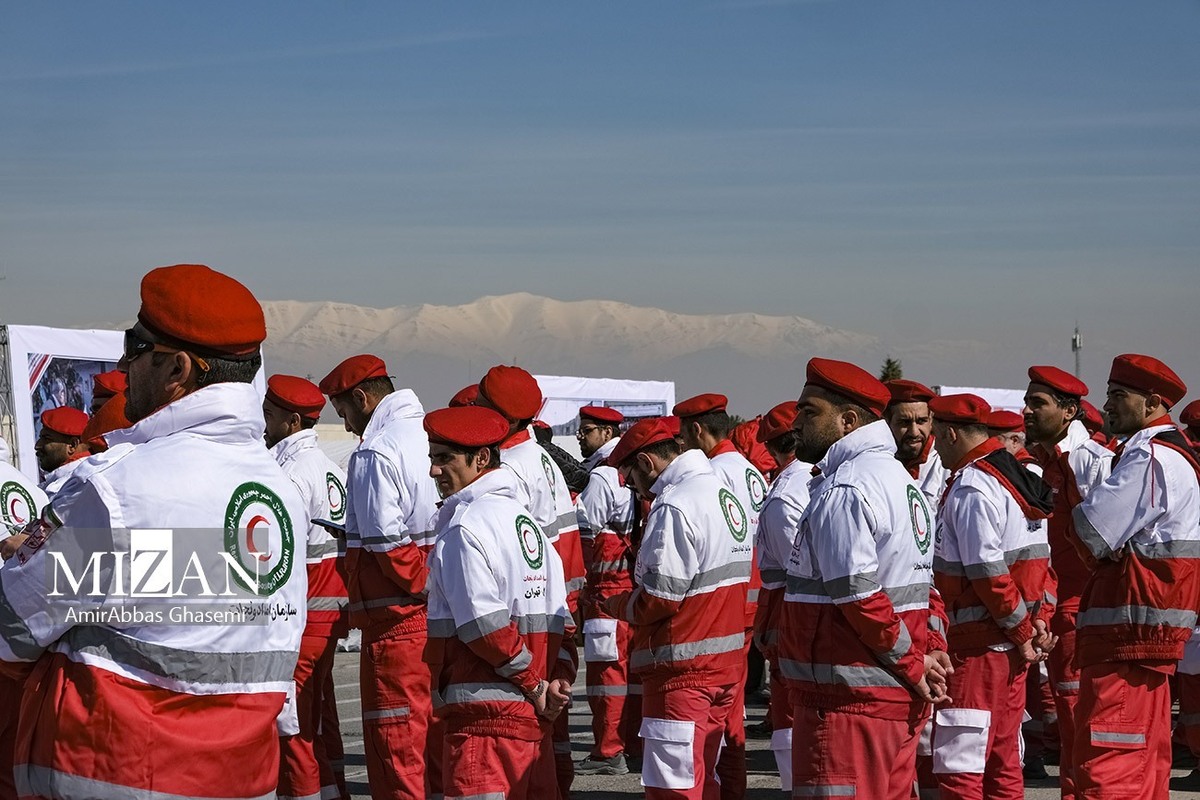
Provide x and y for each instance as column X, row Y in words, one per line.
column 59, row 447
column 605, row 511
column 1072, row 463
column 307, row 764
column 1139, row 533
column 856, row 611
column 907, row 415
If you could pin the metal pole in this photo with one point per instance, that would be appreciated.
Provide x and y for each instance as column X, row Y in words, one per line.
column 1077, row 348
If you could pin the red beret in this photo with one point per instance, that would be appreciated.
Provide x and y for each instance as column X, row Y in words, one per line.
column 1149, row 375
column 906, row 391
column 199, row 307
column 108, row 418
column 296, row 394
column 1059, row 380
column 107, row 384
column 1190, row 416
column 777, row 422
column 609, row 416
column 1005, row 421
column 65, row 421
column 351, row 372
column 675, row 424
column 542, row 425
column 851, row 382
column 513, row 391
column 963, row 409
column 1093, row 420
column 644, row 433
column 465, row 397
column 466, row 426
column 700, row 404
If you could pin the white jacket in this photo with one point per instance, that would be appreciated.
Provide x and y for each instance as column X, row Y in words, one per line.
column 54, row 480
column 605, row 504
column 322, row 485
column 780, row 522
column 193, row 476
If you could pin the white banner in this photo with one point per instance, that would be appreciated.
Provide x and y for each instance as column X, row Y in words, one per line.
column 563, row 396
column 998, row 399
column 52, row 367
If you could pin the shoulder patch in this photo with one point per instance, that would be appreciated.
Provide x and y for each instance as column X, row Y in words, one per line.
column 922, row 521
column 531, row 541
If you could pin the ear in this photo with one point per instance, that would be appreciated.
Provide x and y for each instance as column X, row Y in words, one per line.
column 850, row 420
column 1154, row 405
column 361, row 400
column 182, row 374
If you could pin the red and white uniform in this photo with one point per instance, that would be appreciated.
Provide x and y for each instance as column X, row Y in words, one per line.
column 93, row 714
column 778, row 525
column 542, row 489
column 855, row 622
column 21, row 501
column 688, row 615
column 605, row 514
column 390, row 507
column 1077, row 464
column 1140, row 534
column 991, row 569
column 498, row 625
column 54, row 480
column 305, row 768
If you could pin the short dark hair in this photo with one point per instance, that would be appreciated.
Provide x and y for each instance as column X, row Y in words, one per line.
column 493, row 453
column 1063, row 399
column 717, row 423
column 785, row 442
column 224, row 370
column 667, row 448
column 843, row 404
column 977, row 428
column 377, row 387
column 308, row 423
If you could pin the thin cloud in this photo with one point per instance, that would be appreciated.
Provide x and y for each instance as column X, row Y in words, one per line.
column 235, row 59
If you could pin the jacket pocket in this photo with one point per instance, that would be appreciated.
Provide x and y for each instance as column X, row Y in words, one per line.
column 960, row 737
column 668, row 760
column 600, row 640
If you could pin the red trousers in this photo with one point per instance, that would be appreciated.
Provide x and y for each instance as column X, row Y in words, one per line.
column 614, row 697
column 780, row 714
column 731, row 763
column 844, row 754
column 304, row 769
column 1122, row 733
column 329, row 739
column 976, row 739
column 395, row 712
column 494, row 766
column 682, row 731
column 1041, row 730
column 1064, row 682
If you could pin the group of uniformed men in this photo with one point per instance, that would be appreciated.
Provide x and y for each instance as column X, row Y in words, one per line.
column 905, row 562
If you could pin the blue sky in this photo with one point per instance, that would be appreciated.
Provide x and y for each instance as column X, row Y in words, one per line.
column 918, row 171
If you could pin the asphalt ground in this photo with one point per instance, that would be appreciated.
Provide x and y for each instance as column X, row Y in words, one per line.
column 762, row 783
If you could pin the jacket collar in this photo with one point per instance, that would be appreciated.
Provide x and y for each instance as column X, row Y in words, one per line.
column 230, row 413
column 687, row 465
column 298, row 442
column 501, row 482
column 598, row 458
column 400, row 404
column 875, row 437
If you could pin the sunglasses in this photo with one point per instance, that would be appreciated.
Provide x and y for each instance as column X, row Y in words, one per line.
column 137, row 345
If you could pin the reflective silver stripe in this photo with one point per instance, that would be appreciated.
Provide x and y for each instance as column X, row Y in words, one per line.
column 936, row 623
column 687, row 650
column 910, row 595
column 330, row 793
column 902, row 646
column 1049, row 599
column 481, row 693
column 567, row 521
column 1137, row 615
column 541, row 623
column 1067, row 686
column 969, row 614
column 316, row 796
column 752, row 595
column 385, row 713
column 1015, row 618
column 35, row 780
column 318, row 551
column 1180, row 548
column 482, row 626
column 16, row 633
column 679, row 587
column 607, row 691
column 187, row 666
column 774, row 576
column 1088, row 534
column 611, row 566
column 517, row 664
column 576, row 584
column 441, row 628
column 954, row 569
column 989, row 569
column 827, row 790
column 838, row 674
column 387, row 602
column 1109, row 737
column 862, row 583
column 484, row 796
column 810, row 586
column 327, row 603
